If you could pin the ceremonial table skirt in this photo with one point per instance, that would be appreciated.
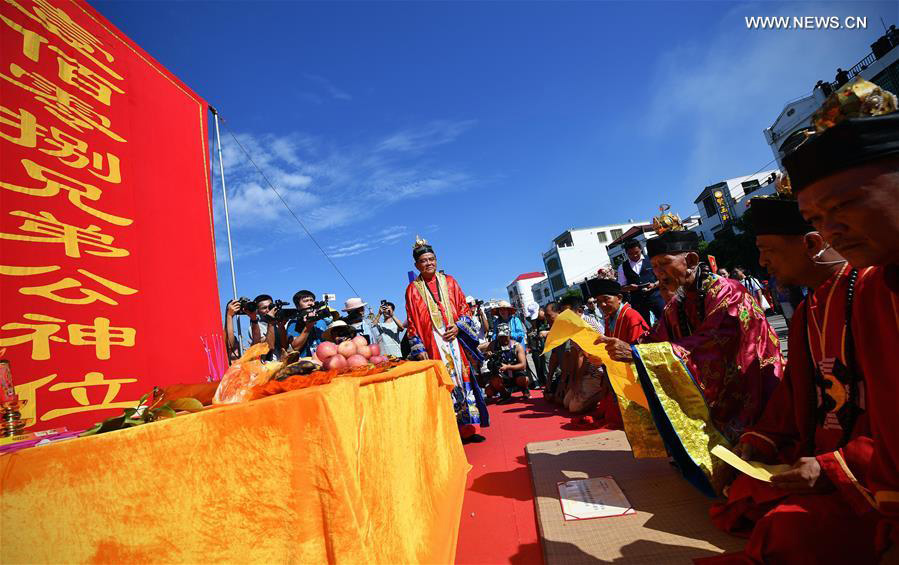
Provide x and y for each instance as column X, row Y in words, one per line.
column 361, row 470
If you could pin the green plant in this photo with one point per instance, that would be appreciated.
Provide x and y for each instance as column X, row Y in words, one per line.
column 140, row 414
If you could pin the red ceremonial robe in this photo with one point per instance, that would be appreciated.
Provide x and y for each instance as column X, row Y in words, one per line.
column 420, row 324
column 800, row 421
column 878, row 339
column 630, row 327
column 732, row 352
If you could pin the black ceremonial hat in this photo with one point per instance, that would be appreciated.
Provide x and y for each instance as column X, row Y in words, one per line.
column 850, row 143
column 777, row 216
column 672, row 242
column 596, row 287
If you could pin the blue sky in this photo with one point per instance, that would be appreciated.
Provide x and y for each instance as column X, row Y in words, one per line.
column 488, row 128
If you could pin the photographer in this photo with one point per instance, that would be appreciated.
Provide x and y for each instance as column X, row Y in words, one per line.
column 636, row 278
column 231, row 309
column 478, row 318
column 507, row 364
column 261, row 327
column 308, row 328
column 355, row 316
column 389, row 330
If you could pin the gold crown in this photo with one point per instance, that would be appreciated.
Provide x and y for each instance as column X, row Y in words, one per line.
column 854, row 99
column 667, row 221
column 419, row 242
column 782, row 185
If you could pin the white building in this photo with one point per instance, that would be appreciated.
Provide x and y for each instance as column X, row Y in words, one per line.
column 520, row 294
column 641, row 233
column 577, row 254
column 788, row 130
column 726, row 200
column 541, row 292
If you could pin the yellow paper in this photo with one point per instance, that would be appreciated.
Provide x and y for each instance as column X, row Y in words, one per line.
column 621, row 375
column 754, row 469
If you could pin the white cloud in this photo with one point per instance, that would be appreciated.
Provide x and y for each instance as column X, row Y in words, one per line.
column 329, row 186
column 241, row 251
column 385, row 236
column 415, row 140
column 329, row 87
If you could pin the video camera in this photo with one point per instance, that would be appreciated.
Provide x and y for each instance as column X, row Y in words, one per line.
column 283, row 314
column 494, row 362
column 247, row 305
column 316, row 312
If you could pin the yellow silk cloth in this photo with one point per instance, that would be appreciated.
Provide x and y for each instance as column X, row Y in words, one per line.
column 361, row 470
column 686, row 409
column 641, row 432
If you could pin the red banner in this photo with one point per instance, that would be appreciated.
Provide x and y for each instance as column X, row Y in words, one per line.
column 107, row 259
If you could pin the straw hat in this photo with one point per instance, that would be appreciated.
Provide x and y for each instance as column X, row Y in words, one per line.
column 328, row 333
column 504, row 305
column 353, row 304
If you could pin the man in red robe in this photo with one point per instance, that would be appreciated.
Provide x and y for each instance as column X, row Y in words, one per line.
column 846, row 178
column 717, row 332
column 815, row 420
column 440, row 328
column 623, row 322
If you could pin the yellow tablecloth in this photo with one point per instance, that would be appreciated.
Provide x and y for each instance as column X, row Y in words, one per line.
column 364, row 470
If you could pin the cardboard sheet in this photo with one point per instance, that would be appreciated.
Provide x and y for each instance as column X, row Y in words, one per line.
column 670, row 524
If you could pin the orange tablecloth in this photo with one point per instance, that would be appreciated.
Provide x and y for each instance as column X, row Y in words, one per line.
column 364, row 470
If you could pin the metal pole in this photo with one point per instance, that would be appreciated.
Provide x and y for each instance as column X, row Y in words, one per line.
column 218, row 142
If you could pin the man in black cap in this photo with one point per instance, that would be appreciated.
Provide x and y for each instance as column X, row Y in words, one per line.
column 622, row 322
column 714, row 335
column 846, row 178
column 637, row 280
column 815, row 420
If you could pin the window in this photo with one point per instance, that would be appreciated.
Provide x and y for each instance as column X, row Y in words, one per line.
column 750, row 186
column 552, row 265
column 616, row 234
column 545, row 293
column 564, row 240
column 709, row 203
column 602, row 236
column 557, row 282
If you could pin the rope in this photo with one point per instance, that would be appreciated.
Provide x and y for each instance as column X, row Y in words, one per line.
column 287, row 206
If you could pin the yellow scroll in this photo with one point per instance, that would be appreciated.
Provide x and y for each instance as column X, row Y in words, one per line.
column 571, row 326
column 641, row 433
column 754, row 469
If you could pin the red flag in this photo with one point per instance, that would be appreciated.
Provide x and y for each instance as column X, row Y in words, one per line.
column 107, row 270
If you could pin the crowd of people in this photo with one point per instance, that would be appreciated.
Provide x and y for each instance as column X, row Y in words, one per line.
column 697, row 338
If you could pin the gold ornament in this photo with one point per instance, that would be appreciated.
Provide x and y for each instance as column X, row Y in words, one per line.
column 854, row 99
column 419, row 242
column 667, row 221
column 782, row 186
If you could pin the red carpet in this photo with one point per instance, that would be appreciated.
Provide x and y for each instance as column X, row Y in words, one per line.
column 498, row 522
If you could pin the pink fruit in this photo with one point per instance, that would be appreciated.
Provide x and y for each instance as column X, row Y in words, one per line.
column 346, row 348
column 375, row 349
column 377, row 359
column 326, row 350
column 356, row 361
column 360, row 341
column 336, row 362
column 364, row 350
